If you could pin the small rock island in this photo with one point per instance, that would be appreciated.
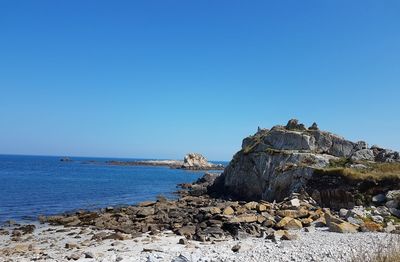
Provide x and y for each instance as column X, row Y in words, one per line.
column 192, row 161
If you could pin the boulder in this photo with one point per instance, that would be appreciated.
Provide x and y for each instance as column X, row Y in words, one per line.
column 251, row 205
column 395, row 212
column 343, row 227
column 371, row 227
column 228, row 211
column 393, row 195
column 380, row 198
column 236, row 248
column 363, row 155
column 289, row 223
column 289, row 236
column 301, row 213
column 244, row 218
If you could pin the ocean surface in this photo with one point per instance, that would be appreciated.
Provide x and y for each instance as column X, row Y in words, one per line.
column 37, row 185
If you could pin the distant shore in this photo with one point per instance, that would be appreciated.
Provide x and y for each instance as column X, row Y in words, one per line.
column 177, row 164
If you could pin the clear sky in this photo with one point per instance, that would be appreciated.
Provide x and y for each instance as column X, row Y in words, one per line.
column 158, row 79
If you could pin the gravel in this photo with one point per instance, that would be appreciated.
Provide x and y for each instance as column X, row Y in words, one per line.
column 318, row 245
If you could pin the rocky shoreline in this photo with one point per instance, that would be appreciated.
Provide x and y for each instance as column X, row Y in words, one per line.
column 195, row 221
column 290, row 194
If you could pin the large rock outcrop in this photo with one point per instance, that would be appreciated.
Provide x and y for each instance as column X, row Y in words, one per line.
column 274, row 163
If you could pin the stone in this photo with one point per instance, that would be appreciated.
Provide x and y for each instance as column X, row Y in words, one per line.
column 309, row 229
column 88, row 254
column 180, row 258
column 393, row 194
column 236, row 248
column 377, row 219
column 293, row 224
column 293, row 213
column 276, row 235
column 392, row 204
column 380, row 198
column 371, row 227
column 395, row 212
column 355, row 221
column 381, row 211
column 314, row 126
column 329, row 218
column 289, row 236
column 289, row 223
column 26, row 229
column 386, row 155
column 283, row 222
column 147, row 203
column 74, row 256
column 145, row 211
column 306, row 221
column 245, row 218
column 118, row 236
column 344, row 227
column 357, row 212
column 251, row 205
column 268, row 223
column 363, row 155
column 295, row 202
column 343, row 212
column 389, row 228
column 187, row 231
column 228, row 211
column 183, row 241
column 215, row 210
column 261, row 208
column 320, row 222
column 293, row 124
column 358, row 166
column 71, row 245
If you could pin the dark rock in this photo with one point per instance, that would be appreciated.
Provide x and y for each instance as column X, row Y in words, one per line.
column 187, row 231
column 27, row 229
column 89, row 255
column 183, row 241
column 314, row 126
column 236, row 248
column 181, row 258
column 289, row 236
column 293, row 124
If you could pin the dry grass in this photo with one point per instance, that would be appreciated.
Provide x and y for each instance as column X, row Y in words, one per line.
column 374, row 171
column 380, row 252
column 256, row 141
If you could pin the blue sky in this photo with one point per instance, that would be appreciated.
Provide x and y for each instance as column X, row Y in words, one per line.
column 158, row 79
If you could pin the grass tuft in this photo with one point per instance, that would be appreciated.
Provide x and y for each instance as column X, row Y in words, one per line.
column 380, row 252
column 374, row 172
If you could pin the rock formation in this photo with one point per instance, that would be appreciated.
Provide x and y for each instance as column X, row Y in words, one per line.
column 197, row 162
column 274, row 163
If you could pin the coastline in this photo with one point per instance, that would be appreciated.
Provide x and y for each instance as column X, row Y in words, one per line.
column 105, row 235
